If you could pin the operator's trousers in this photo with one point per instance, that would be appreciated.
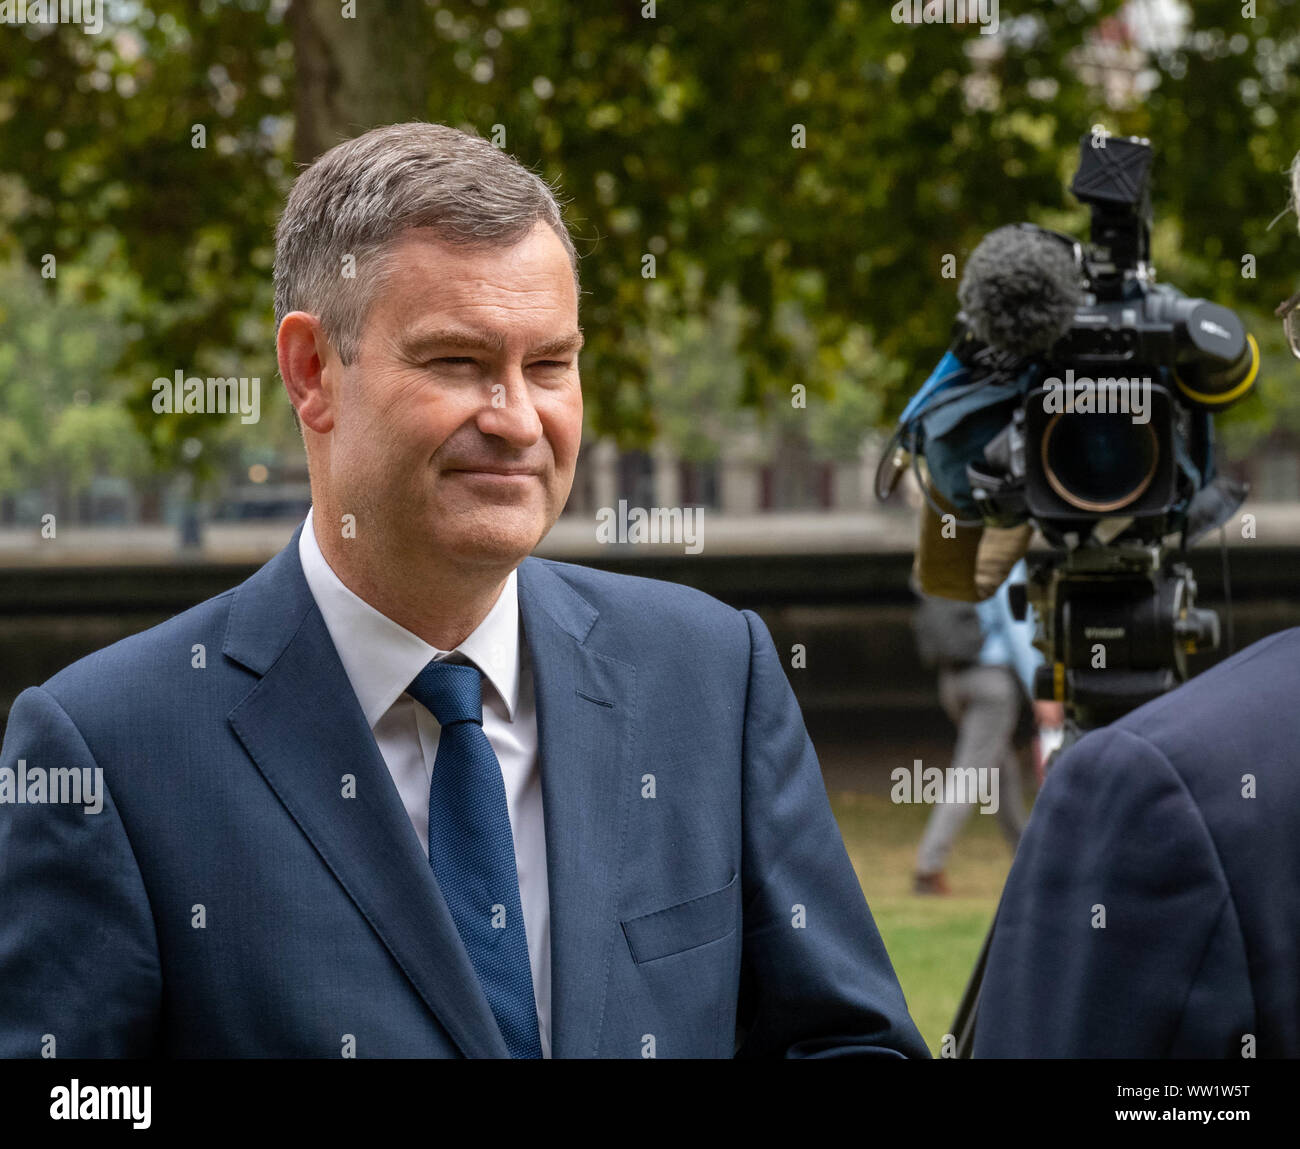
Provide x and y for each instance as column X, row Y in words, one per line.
column 984, row 704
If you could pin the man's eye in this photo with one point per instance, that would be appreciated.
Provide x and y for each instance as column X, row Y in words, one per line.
column 551, row 363
column 453, row 360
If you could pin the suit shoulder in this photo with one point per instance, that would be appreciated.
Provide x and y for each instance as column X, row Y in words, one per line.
column 1256, row 685
column 638, row 602
column 1238, row 716
column 123, row 664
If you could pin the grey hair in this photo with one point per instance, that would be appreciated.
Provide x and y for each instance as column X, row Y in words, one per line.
column 359, row 197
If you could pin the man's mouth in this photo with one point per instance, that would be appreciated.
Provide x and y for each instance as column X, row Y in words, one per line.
column 494, row 474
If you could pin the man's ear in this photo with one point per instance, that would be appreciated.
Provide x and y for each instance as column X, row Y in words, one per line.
column 303, row 352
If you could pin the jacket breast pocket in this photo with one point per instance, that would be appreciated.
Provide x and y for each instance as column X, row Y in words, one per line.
column 684, row 926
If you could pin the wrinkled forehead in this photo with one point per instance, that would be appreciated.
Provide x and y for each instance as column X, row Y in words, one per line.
column 523, row 290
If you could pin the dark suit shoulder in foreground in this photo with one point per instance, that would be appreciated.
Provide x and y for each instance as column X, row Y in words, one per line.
column 1176, row 826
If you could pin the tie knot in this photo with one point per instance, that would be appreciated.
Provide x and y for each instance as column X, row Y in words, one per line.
column 450, row 691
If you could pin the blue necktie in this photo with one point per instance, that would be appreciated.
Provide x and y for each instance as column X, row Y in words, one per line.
column 472, row 850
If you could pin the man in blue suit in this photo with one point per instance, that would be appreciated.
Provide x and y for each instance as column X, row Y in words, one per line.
column 408, row 792
column 1153, row 909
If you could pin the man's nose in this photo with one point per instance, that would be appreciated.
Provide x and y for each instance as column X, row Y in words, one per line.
column 508, row 411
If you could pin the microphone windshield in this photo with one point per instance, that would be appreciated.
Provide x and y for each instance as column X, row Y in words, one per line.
column 1020, row 290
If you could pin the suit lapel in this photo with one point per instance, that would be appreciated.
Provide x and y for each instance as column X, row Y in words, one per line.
column 304, row 729
column 585, row 718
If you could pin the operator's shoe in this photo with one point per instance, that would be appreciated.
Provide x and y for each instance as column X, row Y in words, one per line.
column 931, row 884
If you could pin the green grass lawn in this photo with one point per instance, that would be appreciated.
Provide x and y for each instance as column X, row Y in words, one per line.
column 933, row 941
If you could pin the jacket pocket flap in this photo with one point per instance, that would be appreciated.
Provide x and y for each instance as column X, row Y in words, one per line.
column 683, row 926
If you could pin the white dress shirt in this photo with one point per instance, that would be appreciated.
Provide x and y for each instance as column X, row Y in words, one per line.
column 382, row 659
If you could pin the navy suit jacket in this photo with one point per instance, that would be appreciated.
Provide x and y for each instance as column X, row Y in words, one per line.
column 1152, row 819
column 675, row 918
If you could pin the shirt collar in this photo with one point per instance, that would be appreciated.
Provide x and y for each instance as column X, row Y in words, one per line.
column 382, row 658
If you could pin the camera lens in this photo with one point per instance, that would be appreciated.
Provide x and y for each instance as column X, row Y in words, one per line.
column 1098, row 462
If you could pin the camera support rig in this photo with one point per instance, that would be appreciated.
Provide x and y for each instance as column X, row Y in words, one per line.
column 1116, row 624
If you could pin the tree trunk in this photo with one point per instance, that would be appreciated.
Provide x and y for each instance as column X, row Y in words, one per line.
column 356, row 73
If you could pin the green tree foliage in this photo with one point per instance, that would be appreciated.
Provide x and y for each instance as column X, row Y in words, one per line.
column 59, row 426
column 814, row 157
column 102, row 172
